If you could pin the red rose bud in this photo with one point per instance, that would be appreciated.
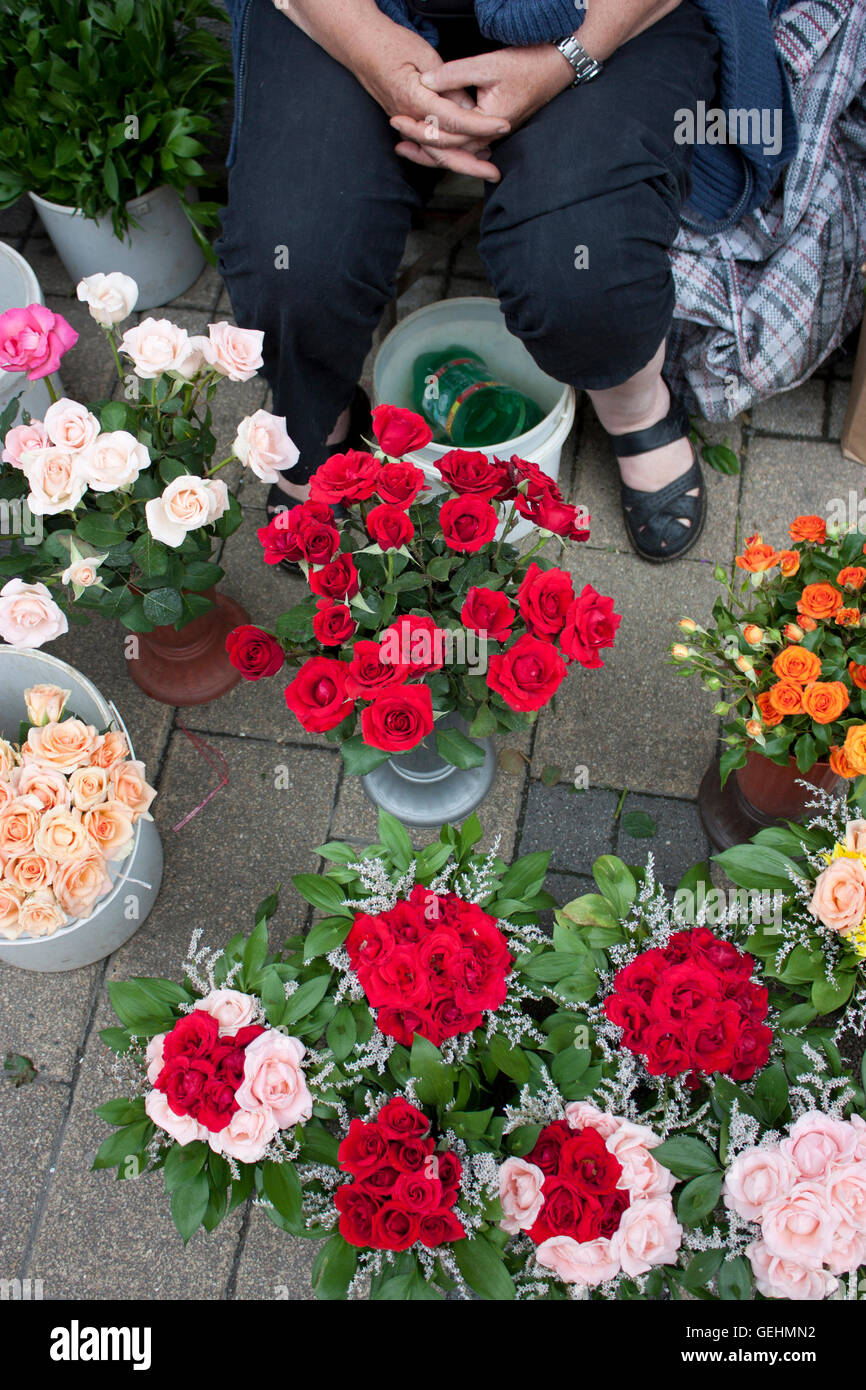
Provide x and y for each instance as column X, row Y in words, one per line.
column 544, row 598
column 591, row 623
column 254, row 653
column 468, row 471
column 489, row 612
column 349, row 477
column 399, row 484
column 318, row 695
column 398, row 431
column 399, row 719
column 338, row 579
column 528, row 675
column 389, row 527
column 468, row 523
column 333, row 624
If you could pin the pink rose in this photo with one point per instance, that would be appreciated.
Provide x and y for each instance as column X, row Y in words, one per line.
column 756, row 1177
column 113, row 460
column 70, row 426
column 779, row 1278
column 235, row 352
column 110, row 298
column 581, row 1114
column 520, row 1185
column 855, row 836
column 24, row 439
column 193, row 357
column 247, row 1135
column 274, row 1080
column 231, row 1009
column 848, row 1251
column 816, row 1141
column 45, row 703
column 858, row 1124
column 183, row 1128
column 263, row 445
column 642, row 1175
column 153, row 1057
column 155, row 346
column 185, row 505
column 800, row 1225
column 579, row 1262
column 29, row 617
column 33, row 340
column 649, row 1234
column 846, row 1190
column 839, row 899
column 57, row 483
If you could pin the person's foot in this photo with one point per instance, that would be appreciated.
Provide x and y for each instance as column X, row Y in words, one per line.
column 350, row 432
column 655, row 469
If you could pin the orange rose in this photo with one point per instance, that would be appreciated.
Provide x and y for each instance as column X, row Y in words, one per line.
column 840, row 764
column 796, row 664
column 819, row 601
column 753, row 634
column 754, row 728
column 786, row 697
column 851, row 577
column 808, row 528
column 855, row 748
column 857, row 674
column 770, row 717
column 789, row 562
column 19, row 822
column 848, row 617
column 29, row 872
column 824, row 701
column 757, row 557
column 792, row 633
column 112, row 749
column 807, row 624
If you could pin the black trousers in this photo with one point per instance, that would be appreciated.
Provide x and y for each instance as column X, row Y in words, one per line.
column 320, row 207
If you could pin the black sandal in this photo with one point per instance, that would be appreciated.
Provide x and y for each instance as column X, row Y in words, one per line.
column 652, row 519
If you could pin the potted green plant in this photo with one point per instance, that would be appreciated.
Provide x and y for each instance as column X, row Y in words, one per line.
column 105, row 109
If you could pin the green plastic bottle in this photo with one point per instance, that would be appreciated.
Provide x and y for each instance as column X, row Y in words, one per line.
column 464, row 404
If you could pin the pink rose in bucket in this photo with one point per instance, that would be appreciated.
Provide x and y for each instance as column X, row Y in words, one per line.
column 33, row 340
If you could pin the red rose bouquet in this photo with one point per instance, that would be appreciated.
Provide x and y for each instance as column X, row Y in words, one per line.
column 420, row 605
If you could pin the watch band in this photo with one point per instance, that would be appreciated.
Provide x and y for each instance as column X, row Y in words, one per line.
column 585, row 68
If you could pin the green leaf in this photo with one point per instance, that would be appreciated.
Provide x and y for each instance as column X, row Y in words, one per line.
column 481, row 1265
column 615, row 882
column 758, row 866
column 828, row 998
column 283, row 1188
column 322, row 892
column 590, row 910
column 722, row 459
column 433, row 1078
column 334, row 1269
column 151, row 556
column 162, row 606
column 771, row 1091
column 703, row 1268
column 188, row 1205
column 120, row 1112
column 342, row 1033
column 183, row 1161
column 686, row 1156
column 639, row 825
column 201, row 574
column 735, row 1279
column 113, row 416
column 395, row 839
column 21, row 1071
column 99, row 529
column 326, row 936
column 510, row 1060
column 699, row 1197
column 360, row 758
column 526, row 876
column 458, row 750
column 305, row 998
column 485, row 723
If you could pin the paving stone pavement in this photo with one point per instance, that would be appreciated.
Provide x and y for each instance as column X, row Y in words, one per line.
column 643, row 737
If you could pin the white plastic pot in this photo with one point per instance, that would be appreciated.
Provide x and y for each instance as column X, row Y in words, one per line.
column 136, row 880
column 18, row 288
column 161, row 253
column 479, row 324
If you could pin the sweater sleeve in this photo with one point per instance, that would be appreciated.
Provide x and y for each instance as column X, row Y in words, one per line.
column 519, row 22
column 398, row 10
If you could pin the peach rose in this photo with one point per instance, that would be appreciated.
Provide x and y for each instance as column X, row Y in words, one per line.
column 854, row 748
column 110, row 827
column 45, row 703
column 61, row 835
column 29, row 617
column 779, row 1278
column 57, row 483
column 839, row 899
column 235, row 352
column 846, row 1189
column 520, row 1185
column 184, row 506
column 800, row 1224
column 230, row 1008
column 110, row 298
column 273, row 1079
column 8, row 758
column 153, row 1057
column 756, row 1177
column 113, row 461
column 61, row 745
column 89, row 787
column 848, row 1251
column 855, row 836
column 29, row 872
column 818, row 1141
column 70, row 426
column 113, row 749
column 579, row 1262
column 83, row 573
column 49, row 787
column 19, row 822
column 9, row 789
column 155, row 346
column 649, row 1234
column 183, row 1128
column 80, row 883
column 41, row 914
column 642, row 1175
column 24, row 439
column 10, row 904
column 247, row 1135
column 128, row 786
column 581, row 1114
column 262, row 444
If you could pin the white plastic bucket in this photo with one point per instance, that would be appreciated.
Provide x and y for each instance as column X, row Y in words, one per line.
column 18, row 288
column 160, row 254
column 137, row 878
column 476, row 323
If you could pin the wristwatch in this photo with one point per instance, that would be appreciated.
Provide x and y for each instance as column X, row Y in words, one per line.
column 585, row 68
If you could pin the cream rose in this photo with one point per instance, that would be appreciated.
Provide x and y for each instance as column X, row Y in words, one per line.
column 8, row 757
column 61, row 746
column 520, row 1185
column 49, row 787
column 83, row 573
column 579, row 1262
column 155, row 346
column 246, row 1136
column 111, row 751
column 111, row 829
column 778, row 1278
column 274, row 1080
column 10, row 903
column 839, row 899
column 184, row 506
column 153, row 1057
column 230, row 1008
column 29, row 872
column 127, row 785
column 45, row 703
column 113, row 461
column 649, row 1234
column 182, row 1128
column 70, row 426
column 642, row 1175
column 581, row 1114
column 29, row 617
column 57, row 483
column 756, row 1177
column 19, row 822
column 110, row 298
column 80, row 883
column 24, row 439
column 217, row 498
column 89, row 787
column 855, row 836
column 61, row 835
column 41, row 914
column 262, row 444
column 800, row 1225
column 235, row 352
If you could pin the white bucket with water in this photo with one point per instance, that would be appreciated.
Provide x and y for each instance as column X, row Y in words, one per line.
column 479, row 324
column 18, row 288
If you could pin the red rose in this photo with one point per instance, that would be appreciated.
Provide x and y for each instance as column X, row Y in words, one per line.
column 439, row 1228
column 254, row 653
column 548, row 1146
column 489, row 612
column 183, row 1080
column 398, row 980
column 357, row 1207
column 279, row 539
column 333, row 624
column 544, row 598
column 414, row 641
column 630, row 1013
column 468, row 523
column 339, row 579
column 613, row 1204
column 399, row 484
column 399, row 431
column 642, row 974
column 401, row 1024
column 449, row 1171
column 418, row 1193
column 720, row 955
column 591, row 623
column 665, row 1051
column 683, row 989
column 468, row 471
column 538, row 483
column 528, row 674
column 752, row 1051
column 217, row 1105
column 399, row 719
column 229, row 1063
column 394, row 1228
column 411, row 1155
column 194, row 1035
column 552, row 514
column 244, row 1036
column 566, row 1213
column 362, row 1150
column 713, row 1041
column 369, row 672
column 389, row 527
column 399, row 1120
column 370, row 938
column 349, row 477
column 318, row 696
column 282, row 537
column 318, row 541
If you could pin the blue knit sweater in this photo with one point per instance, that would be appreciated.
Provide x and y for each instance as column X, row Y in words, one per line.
column 728, row 180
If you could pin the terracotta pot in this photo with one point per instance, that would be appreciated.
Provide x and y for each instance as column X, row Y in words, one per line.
column 189, row 667
column 759, row 794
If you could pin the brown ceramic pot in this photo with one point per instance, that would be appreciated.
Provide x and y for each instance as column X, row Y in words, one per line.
column 759, row 794
column 189, row 667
